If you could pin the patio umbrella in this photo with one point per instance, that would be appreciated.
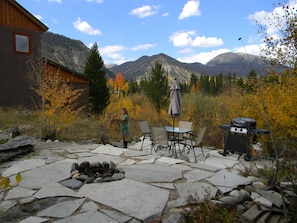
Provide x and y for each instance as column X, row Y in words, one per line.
column 175, row 101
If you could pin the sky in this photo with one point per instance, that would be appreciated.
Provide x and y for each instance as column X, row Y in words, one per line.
column 187, row 30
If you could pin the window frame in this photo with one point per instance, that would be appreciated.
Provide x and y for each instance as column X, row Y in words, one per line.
column 26, row 40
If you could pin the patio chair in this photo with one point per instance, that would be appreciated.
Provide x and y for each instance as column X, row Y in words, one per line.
column 185, row 125
column 145, row 131
column 159, row 139
column 193, row 141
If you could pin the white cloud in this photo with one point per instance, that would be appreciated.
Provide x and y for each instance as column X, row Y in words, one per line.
column 191, row 8
column 84, row 27
column 58, row 1
column 250, row 49
column 273, row 20
column 203, row 57
column 113, row 51
column 89, row 45
column 143, row 47
column 145, row 11
column 165, row 14
column 189, row 39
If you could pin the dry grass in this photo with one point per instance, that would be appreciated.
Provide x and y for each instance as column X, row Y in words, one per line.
column 87, row 127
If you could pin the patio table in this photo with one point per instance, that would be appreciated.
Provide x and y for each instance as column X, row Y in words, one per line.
column 176, row 134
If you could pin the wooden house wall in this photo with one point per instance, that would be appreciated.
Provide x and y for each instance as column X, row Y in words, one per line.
column 14, row 90
column 74, row 80
column 14, row 15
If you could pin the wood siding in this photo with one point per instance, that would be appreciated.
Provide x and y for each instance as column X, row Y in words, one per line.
column 65, row 74
column 13, row 14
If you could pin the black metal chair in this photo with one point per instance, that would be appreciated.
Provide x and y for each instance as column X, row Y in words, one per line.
column 159, row 139
column 193, row 141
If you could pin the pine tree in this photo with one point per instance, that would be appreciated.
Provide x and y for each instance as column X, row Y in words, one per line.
column 157, row 86
column 99, row 96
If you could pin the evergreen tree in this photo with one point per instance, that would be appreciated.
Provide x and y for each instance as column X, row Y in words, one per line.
column 156, row 88
column 94, row 69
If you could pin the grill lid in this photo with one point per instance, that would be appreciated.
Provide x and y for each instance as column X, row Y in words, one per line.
column 243, row 122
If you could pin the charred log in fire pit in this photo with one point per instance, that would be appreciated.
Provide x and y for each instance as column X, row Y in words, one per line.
column 96, row 172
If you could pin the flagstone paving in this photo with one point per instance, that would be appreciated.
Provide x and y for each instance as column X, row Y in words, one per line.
column 153, row 183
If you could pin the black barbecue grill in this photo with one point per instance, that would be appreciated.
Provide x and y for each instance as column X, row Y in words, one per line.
column 241, row 132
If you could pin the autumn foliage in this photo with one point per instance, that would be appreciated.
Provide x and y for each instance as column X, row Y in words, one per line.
column 57, row 99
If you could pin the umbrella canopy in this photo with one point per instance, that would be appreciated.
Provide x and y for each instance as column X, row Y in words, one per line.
column 175, row 101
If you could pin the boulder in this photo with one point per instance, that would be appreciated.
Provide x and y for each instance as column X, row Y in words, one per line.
column 18, row 145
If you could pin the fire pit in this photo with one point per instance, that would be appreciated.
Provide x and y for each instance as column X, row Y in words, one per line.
column 96, row 172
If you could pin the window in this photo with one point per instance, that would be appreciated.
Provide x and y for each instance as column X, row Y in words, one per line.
column 22, row 43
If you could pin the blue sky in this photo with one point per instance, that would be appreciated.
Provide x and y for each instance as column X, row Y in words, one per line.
column 189, row 31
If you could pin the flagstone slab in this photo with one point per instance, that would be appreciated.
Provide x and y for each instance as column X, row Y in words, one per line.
column 148, row 161
column 101, row 158
column 84, row 154
column 204, row 166
column 33, row 219
column 46, row 174
column 197, row 175
column 76, row 148
column 146, row 157
column 152, row 173
column 182, row 167
column 164, row 185
column 55, row 190
column 228, row 179
column 199, row 191
column 133, row 153
column 6, row 205
column 168, row 160
column 23, row 166
column 109, row 150
column 220, row 162
column 90, row 216
column 62, row 209
column 132, row 198
column 89, row 206
column 19, row 192
column 119, row 217
column 272, row 196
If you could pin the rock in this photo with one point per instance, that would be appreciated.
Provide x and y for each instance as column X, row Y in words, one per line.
column 99, row 180
column 15, row 132
column 258, row 185
column 118, row 176
column 72, row 183
column 258, row 199
column 112, row 166
column 103, row 139
column 16, row 146
column 82, row 177
column 74, row 167
column 175, row 218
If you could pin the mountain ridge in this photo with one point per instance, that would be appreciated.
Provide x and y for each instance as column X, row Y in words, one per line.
column 73, row 54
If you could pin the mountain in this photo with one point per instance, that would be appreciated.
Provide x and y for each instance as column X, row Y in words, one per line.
column 226, row 63
column 70, row 53
column 65, row 51
column 142, row 67
column 73, row 54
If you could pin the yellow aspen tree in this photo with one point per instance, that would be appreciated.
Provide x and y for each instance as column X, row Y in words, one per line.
column 57, row 98
column 119, row 83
